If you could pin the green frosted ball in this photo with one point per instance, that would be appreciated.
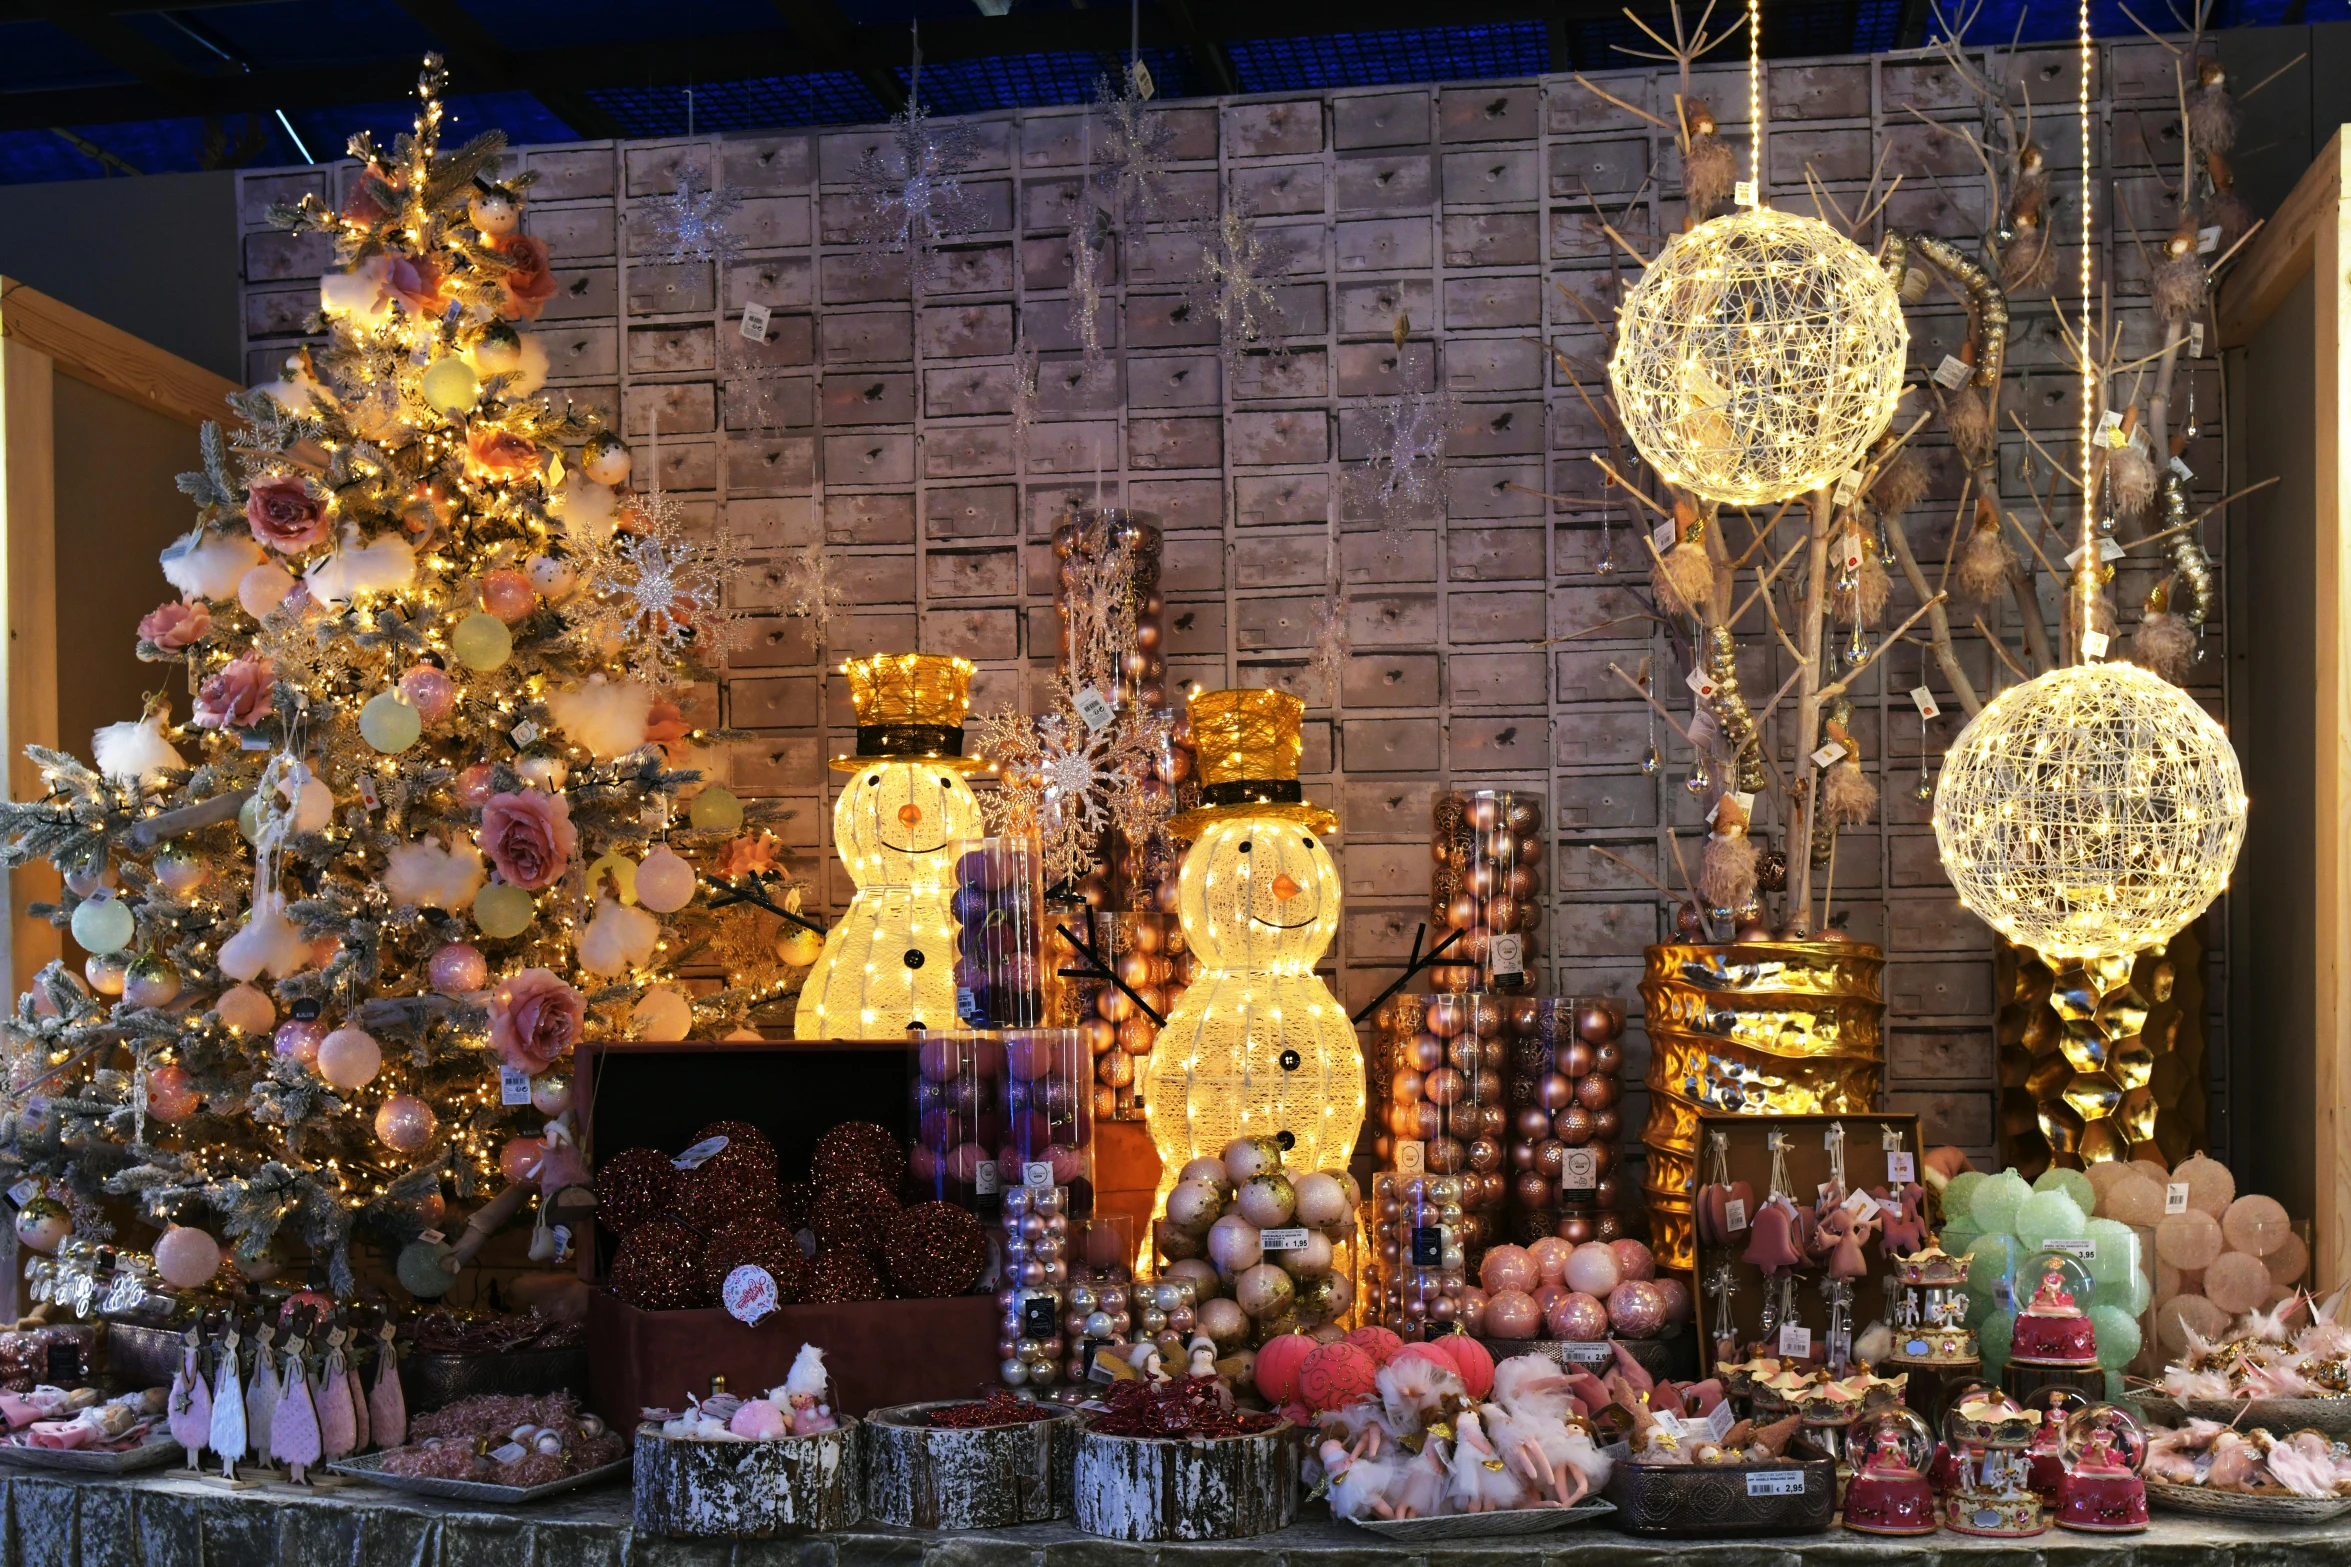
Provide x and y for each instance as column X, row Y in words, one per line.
column 1993, row 1336
column 249, row 818
column 103, row 925
column 2114, row 1387
column 1990, row 1259
column 2117, row 1257
column 1956, row 1238
column 716, row 809
column 2118, row 1336
column 450, row 386
column 2049, row 1216
column 2131, row 1293
column 1958, row 1192
column 420, row 1270
column 389, row 724
column 1993, row 1205
column 2071, row 1182
column 481, row 641
column 500, row 911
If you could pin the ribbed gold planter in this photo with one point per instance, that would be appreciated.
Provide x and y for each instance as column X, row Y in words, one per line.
column 1768, row 1027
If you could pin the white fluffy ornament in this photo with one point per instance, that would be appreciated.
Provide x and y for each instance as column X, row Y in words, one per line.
column 606, row 718
column 359, row 293
column 432, row 875
column 135, row 753
column 662, row 1015
column 554, row 578
column 264, row 588
column 349, row 1058
column 588, row 511
column 267, row 943
column 618, row 939
column 209, row 566
column 530, row 371
column 382, row 565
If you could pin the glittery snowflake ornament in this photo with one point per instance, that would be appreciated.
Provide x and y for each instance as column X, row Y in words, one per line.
column 1060, row 779
column 691, row 223
column 912, row 195
column 1134, row 147
column 1403, row 479
column 655, row 598
column 811, row 592
column 1233, row 284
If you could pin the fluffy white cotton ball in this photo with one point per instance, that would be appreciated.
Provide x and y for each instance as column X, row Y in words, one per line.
column 606, row 718
column 618, row 939
column 531, row 373
column 382, row 565
column 202, row 566
column 588, row 511
column 268, row 942
column 359, row 293
column 432, row 875
column 135, row 753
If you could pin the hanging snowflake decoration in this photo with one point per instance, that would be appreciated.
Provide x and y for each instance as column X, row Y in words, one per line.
column 1236, row 264
column 1141, row 801
column 1088, row 240
column 1403, row 480
column 811, row 593
column 1098, row 603
column 1026, row 369
column 1060, row 780
column 753, row 389
column 1136, row 147
column 913, row 195
column 652, row 597
column 691, row 223
column 1327, row 653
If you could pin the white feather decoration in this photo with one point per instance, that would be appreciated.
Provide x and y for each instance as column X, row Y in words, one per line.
column 135, row 753
column 589, row 512
column 267, row 942
column 208, row 566
column 382, row 565
column 607, row 718
column 432, row 875
column 618, row 939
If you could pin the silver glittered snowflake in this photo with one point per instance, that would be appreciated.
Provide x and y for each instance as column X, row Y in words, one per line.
column 1098, row 605
column 1133, row 147
column 691, row 222
column 1141, row 801
column 653, row 597
column 1080, row 770
column 754, row 389
column 1234, row 283
column 1027, row 366
column 912, row 196
column 1088, row 240
column 1403, row 479
column 810, row 591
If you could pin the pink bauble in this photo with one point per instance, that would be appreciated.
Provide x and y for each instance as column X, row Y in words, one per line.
column 925, row 1164
column 1068, row 1163
column 473, row 784
column 939, row 1059
column 551, row 1093
column 1551, row 1254
column 2256, row 1224
column 242, row 1007
column 299, row 1041
column 187, row 1258
column 1473, row 1362
column 2189, row 1240
column 171, row 1095
column 1634, row 1259
column 1677, row 1299
column 1509, row 1268
column 349, row 1058
column 1473, row 1309
column 508, row 594
column 1333, row 1376
column 1549, row 1295
column 1577, row 1318
column 1029, row 1055
column 405, row 1123
column 520, row 1156
column 1636, row 1310
column 2236, row 1282
column 430, row 691
column 456, row 969
column 1512, row 1314
column 963, row 1163
column 1594, row 1269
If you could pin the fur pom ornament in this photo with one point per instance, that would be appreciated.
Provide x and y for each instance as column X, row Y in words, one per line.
column 430, row 875
column 2130, row 479
column 1901, row 483
column 1709, row 168
column 618, row 939
column 1985, row 560
column 2163, row 643
column 606, row 718
column 134, row 753
column 1858, row 587
column 2028, row 262
column 1726, row 873
column 2212, row 113
column 1970, row 423
column 2178, row 285
column 1685, row 582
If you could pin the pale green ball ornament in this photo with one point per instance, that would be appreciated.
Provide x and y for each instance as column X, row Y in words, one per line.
column 1958, row 1192
column 1990, row 1259
column 716, row 809
column 481, row 641
column 103, row 925
column 2071, row 1182
column 389, row 724
column 2117, row 1256
column 500, row 911
column 450, row 387
column 1994, row 1204
column 1994, row 1336
column 420, row 1270
column 249, row 818
column 2118, row 1336
column 2049, row 1216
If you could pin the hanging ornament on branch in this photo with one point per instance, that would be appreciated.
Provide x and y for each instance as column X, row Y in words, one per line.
column 1402, row 479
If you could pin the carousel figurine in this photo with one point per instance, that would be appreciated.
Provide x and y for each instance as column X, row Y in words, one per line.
column 1990, row 1437
column 1890, row 1493
column 2101, row 1492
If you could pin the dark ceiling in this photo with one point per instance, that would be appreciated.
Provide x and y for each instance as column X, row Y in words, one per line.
column 98, row 87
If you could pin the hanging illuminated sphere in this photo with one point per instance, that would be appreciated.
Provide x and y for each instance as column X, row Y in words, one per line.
column 1758, row 357
column 665, row 881
column 501, row 911
column 2090, row 811
column 389, row 724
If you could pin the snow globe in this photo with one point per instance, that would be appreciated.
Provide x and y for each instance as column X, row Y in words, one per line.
column 2054, row 1404
column 1990, row 1436
column 2102, row 1493
column 2053, row 1324
column 1891, row 1452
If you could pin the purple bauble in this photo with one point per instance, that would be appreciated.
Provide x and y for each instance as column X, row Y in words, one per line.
column 1578, row 1318
column 1030, row 1055
column 1677, row 1299
column 1068, row 1163
column 1636, row 1309
column 456, row 969
column 299, row 1041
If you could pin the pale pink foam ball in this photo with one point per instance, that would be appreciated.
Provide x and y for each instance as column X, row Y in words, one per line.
column 2188, row 1240
column 2210, row 1186
column 1509, row 1268
column 2236, row 1282
column 2132, row 1199
column 2176, row 1317
column 1634, row 1260
column 1512, row 1314
column 1577, row 1318
column 2289, row 1262
column 1593, row 1269
column 2256, row 1224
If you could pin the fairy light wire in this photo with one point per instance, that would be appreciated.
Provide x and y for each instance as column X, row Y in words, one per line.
column 1755, row 97
column 2090, row 561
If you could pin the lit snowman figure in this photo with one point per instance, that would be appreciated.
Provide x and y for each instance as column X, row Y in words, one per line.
column 1258, row 1046
column 889, row 961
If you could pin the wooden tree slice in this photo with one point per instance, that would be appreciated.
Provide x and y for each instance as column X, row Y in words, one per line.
column 924, row 1477
column 1156, row 1488
column 747, row 1490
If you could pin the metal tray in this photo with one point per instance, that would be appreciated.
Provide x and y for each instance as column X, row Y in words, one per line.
column 1471, row 1526
column 369, row 1467
column 150, row 1454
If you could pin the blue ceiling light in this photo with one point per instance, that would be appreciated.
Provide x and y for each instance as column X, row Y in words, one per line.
column 1430, row 54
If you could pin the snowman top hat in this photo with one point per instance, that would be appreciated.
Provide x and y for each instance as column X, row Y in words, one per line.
column 1249, row 743
column 910, row 708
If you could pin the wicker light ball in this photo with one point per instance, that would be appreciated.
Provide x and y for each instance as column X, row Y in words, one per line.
column 2091, row 810
column 1758, row 357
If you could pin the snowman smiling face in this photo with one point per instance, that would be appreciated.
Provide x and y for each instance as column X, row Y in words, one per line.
column 897, row 821
column 1264, row 892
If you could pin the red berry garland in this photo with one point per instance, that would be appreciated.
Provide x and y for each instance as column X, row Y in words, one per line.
column 659, row 1267
column 635, row 1185
column 934, row 1249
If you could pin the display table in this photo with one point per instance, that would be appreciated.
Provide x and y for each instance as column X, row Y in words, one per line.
column 56, row 1521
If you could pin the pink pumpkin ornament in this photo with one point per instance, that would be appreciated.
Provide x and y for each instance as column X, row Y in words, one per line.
column 1279, row 1361
column 1335, row 1375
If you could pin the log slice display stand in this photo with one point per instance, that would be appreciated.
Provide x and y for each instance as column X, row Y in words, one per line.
column 1174, row 1488
column 747, row 1490
column 982, row 1477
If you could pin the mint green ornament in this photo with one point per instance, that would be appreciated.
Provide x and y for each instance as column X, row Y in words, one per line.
column 1958, row 1192
column 1991, row 1260
column 2071, row 1182
column 2118, row 1336
column 2117, row 1256
column 716, row 809
column 389, row 724
column 420, row 1270
column 1993, row 1205
column 500, row 911
column 1956, row 1238
column 1994, row 1335
column 103, row 925
column 2049, row 1216
column 481, row 641
column 450, row 386
column 249, row 818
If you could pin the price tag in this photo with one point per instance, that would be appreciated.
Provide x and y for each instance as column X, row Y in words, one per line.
column 1795, row 1340
column 1286, row 1238
column 1579, row 1170
column 2108, row 553
column 1699, row 681
column 2208, row 239
column 2175, row 1197
column 1952, row 373
column 1743, row 192
column 1901, row 1166
column 1103, row 1364
column 984, row 1181
column 754, row 327
column 1037, row 1175
column 1509, row 954
column 431, row 1237
column 749, row 1293
column 1412, row 1157
column 1859, row 1203
column 1139, row 78
column 1848, row 487
column 2086, row 1247
column 514, row 1086
column 1668, row 1422
column 1040, row 1317
column 525, row 732
column 1734, row 1215
column 2094, row 644
column 367, row 790
column 562, row 1234
column 1889, row 1207
column 1828, row 755
column 1719, row 1423
column 1665, row 535
column 24, row 1191
column 1594, row 1352
column 1094, row 708
column 2003, row 1295
column 2110, row 428
column 2195, row 340
column 1775, row 1482
column 1428, row 1245
column 511, row 1453
column 967, row 1005
column 2185, row 472
column 1924, row 700
column 700, row 1154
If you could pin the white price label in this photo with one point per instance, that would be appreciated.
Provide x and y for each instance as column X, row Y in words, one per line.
column 1286, row 1238
column 1094, row 708
column 367, row 790
column 1579, row 1170
column 2208, row 239
column 1889, row 1207
column 1775, row 1482
column 1665, row 535
column 1412, row 1157
column 1848, row 487
column 2195, row 340
column 1859, row 1203
column 1828, row 755
column 983, row 1179
column 1952, row 373
column 1795, row 1340
column 1719, row 1423
column 1699, row 681
column 2108, row 553
column 431, row 1237
column 1508, row 951
column 2110, row 427
column 24, row 1191
column 2175, row 1197
column 2084, row 1247
column 1924, row 700
column 754, row 327
column 2094, row 644
column 511, row 1453
column 2003, row 1293
column 1037, row 1175
column 1139, row 78
column 1901, row 1166
column 1734, row 1215
column 2185, row 472
column 1592, row 1353
column 514, row 1086
column 700, row 1154
column 1743, row 192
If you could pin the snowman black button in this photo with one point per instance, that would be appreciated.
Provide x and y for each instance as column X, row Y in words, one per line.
column 913, row 958
column 1290, row 1060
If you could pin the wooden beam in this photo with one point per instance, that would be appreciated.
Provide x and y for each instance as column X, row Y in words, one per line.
column 87, row 349
column 2330, row 251
column 2278, row 256
column 28, row 685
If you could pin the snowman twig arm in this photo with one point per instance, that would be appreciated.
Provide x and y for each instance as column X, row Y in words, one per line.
column 1102, row 970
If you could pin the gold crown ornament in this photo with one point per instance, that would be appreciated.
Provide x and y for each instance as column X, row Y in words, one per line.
column 910, row 708
column 1248, row 744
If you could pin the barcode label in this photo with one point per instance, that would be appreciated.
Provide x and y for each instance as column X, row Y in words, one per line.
column 2195, row 340
column 1292, row 1238
column 1579, row 1170
column 1718, row 1424
column 1734, row 1215
column 754, row 327
column 2085, row 1247
column 431, row 1237
column 2094, row 644
column 1743, row 192
column 2108, row 553
column 1952, row 373
column 1901, row 1167
column 1139, row 78
column 1848, row 487
column 1775, row 1482
column 1593, row 1353
column 1094, row 708
column 2175, row 1197
column 1665, row 535
column 514, row 1086
column 1795, row 1340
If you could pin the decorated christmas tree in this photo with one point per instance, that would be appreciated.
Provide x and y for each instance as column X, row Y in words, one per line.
column 432, row 813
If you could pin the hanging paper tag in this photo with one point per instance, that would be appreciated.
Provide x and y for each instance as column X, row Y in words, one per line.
column 367, row 790
column 24, row 1191
column 1579, row 1170
column 2084, row 1247
column 1285, row 1238
column 1795, row 1340
column 514, row 1086
column 1734, row 1215
column 1428, row 1245
column 983, row 1179
column 1700, row 681
column 1952, row 373
column 1139, row 78
column 2208, row 239
column 1828, row 755
column 2182, row 469
column 1094, row 708
column 2110, row 428
column 1668, row 1422
column 2094, row 644
column 525, row 732
column 1859, row 1203
column 754, row 327
column 1665, row 535
column 2175, row 1197
column 1901, row 1166
column 1412, row 1157
column 1743, row 192
column 2003, row 1295
column 1889, row 1207
column 1508, row 951
column 1595, row 1352
column 1037, row 1175
column 1719, row 1423
column 431, row 1237
column 700, row 1154
column 1775, row 1482
column 749, row 1293
column 1847, row 487
column 2195, row 340
column 2108, row 553
column 252, row 743
column 562, row 1234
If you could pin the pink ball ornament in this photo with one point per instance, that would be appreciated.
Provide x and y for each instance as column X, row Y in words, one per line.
column 405, row 1123
column 1473, row 1309
column 1512, row 1314
column 1593, row 1269
column 299, row 1041
column 1678, row 1304
column 1549, row 1295
column 171, row 1094
column 1068, row 1163
column 456, row 969
column 246, row 1008
column 430, row 691
column 551, row 1093
column 2188, row 1241
column 473, row 784
column 1551, row 1254
column 1578, row 1318
column 520, row 1156
column 508, row 594
column 349, row 1058
column 1509, row 1268
column 1636, row 1310
column 187, row 1258
column 1634, row 1260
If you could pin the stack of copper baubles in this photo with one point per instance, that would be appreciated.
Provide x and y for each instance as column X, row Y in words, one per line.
column 1566, row 1088
column 1487, row 883
column 1445, row 1056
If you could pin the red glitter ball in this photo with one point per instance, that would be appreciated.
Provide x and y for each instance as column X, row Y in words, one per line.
column 634, row 1185
column 746, row 1144
column 659, row 1267
column 721, row 1195
column 853, row 1215
column 793, row 1200
column 858, row 1148
column 934, row 1249
column 838, row 1276
column 759, row 1243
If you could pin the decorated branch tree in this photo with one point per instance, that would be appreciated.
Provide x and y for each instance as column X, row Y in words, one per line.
column 433, row 814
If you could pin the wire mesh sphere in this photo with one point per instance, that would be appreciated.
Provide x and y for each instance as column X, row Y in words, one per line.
column 2091, row 810
column 1758, row 357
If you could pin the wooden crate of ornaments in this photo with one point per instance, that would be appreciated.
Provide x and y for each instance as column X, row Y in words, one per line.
column 792, row 1485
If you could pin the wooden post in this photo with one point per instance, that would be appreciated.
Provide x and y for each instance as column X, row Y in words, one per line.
column 2331, row 723
column 28, row 510
column 1804, row 779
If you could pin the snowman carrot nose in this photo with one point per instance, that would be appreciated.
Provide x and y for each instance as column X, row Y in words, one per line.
column 1284, row 888
column 910, row 813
